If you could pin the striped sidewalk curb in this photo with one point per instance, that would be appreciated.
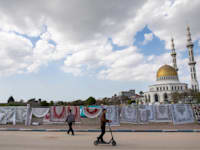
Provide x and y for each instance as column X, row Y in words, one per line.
column 97, row 130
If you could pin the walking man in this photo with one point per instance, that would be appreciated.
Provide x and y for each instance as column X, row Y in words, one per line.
column 70, row 119
column 103, row 125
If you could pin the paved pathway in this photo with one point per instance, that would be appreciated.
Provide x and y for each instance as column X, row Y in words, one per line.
column 84, row 141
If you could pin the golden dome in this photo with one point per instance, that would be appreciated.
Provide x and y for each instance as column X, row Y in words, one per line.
column 166, row 71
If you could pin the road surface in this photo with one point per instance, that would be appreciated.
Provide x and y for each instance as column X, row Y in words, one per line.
column 84, row 141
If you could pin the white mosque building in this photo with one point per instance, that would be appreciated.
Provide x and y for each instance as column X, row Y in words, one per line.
column 167, row 80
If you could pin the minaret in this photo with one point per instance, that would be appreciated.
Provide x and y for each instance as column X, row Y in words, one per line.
column 192, row 62
column 173, row 54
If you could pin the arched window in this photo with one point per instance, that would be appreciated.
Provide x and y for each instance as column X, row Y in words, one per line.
column 149, row 98
column 156, row 97
column 165, row 97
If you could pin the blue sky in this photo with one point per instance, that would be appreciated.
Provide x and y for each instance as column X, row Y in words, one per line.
column 95, row 51
column 52, row 84
column 156, row 46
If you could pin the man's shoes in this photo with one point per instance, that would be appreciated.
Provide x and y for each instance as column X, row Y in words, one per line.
column 103, row 142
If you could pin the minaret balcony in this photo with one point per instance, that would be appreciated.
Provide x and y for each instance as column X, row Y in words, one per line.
column 190, row 44
column 173, row 54
column 192, row 63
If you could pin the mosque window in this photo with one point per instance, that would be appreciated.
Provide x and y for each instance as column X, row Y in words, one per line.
column 157, row 89
column 149, row 98
column 156, row 97
column 172, row 88
column 163, row 88
column 167, row 87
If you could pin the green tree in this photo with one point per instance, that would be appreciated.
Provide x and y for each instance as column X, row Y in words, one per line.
column 198, row 97
column 141, row 93
column 44, row 103
column 195, row 96
column 175, row 97
column 11, row 99
column 104, row 101
column 60, row 103
column 91, row 101
column 130, row 102
column 77, row 103
column 51, row 103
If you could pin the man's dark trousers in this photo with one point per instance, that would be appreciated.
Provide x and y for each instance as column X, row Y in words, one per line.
column 70, row 128
column 103, row 128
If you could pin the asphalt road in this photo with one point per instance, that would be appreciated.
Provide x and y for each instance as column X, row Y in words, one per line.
column 84, row 141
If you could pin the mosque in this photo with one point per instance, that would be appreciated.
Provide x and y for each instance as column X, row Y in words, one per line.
column 167, row 80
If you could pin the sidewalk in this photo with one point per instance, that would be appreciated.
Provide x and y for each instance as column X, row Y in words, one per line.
column 151, row 127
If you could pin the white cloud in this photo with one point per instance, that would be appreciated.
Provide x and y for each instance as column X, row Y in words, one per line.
column 171, row 18
column 18, row 55
column 42, row 54
column 15, row 53
column 81, row 30
column 147, row 38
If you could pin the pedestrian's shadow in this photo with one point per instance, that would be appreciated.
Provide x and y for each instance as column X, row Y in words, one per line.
column 77, row 134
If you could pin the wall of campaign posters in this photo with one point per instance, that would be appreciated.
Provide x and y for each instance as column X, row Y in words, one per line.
column 134, row 114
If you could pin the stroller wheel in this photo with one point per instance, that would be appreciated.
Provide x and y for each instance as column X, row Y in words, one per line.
column 114, row 143
column 96, row 143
